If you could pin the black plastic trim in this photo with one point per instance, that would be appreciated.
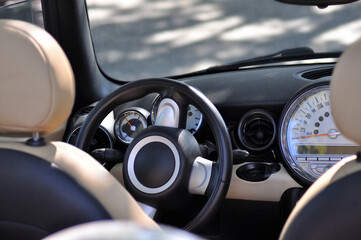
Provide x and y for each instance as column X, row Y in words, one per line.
column 36, row 142
column 67, row 21
column 315, row 73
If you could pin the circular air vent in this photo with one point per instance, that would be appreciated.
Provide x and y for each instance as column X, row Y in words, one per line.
column 101, row 138
column 257, row 130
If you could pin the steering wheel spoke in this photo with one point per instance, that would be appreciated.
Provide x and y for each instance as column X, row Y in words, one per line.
column 200, row 176
column 172, row 111
column 168, row 113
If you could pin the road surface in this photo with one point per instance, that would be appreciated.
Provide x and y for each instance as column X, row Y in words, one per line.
column 153, row 38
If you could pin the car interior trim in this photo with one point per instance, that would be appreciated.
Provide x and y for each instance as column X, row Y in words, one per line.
column 58, row 134
column 200, row 176
column 67, row 17
column 313, row 201
column 269, row 190
column 345, row 86
column 24, row 175
column 167, row 113
column 101, row 127
column 90, row 175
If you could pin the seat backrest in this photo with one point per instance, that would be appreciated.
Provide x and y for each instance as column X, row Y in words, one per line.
column 36, row 96
column 46, row 186
column 37, row 84
column 38, row 199
column 331, row 207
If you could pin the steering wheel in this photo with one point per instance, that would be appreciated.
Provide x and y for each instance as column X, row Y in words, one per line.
column 163, row 166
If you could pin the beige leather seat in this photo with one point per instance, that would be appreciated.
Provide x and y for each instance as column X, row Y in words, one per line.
column 331, row 208
column 46, row 186
column 120, row 230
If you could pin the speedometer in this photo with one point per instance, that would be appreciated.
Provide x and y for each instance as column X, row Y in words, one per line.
column 310, row 141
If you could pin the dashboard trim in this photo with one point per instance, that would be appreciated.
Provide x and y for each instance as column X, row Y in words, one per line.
column 270, row 190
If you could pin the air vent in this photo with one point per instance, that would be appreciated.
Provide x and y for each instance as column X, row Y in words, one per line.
column 316, row 73
column 101, row 138
column 257, row 130
column 83, row 112
column 86, row 110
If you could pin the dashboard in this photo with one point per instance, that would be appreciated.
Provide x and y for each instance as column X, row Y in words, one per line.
column 279, row 120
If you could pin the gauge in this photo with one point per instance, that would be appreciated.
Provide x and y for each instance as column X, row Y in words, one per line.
column 194, row 116
column 194, row 119
column 310, row 141
column 129, row 124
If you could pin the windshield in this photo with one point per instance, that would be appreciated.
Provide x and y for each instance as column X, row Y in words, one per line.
column 157, row 38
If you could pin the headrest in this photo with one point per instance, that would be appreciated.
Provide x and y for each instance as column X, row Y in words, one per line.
column 346, row 93
column 36, row 81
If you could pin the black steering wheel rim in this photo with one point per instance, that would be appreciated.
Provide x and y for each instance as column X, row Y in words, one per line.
column 140, row 88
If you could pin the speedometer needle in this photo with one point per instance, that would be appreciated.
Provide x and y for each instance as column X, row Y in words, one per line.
column 332, row 134
column 318, row 135
column 128, row 123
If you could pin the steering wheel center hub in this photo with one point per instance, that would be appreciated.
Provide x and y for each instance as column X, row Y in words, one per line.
column 158, row 165
column 153, row 164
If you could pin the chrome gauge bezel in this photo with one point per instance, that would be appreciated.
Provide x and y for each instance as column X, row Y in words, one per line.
column 142, row 113
column 305, row 176
column 154, row 110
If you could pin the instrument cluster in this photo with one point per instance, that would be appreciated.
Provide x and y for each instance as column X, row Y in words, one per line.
column 132, row 121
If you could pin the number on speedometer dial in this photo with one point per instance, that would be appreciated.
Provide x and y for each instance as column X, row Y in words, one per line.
column 310, row 141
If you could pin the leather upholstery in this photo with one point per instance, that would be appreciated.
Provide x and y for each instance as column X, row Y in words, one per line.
column 91, row 176
column 39, row 199
column 331, row 207
column 120, row 230
column 345, row 93
column 37, row 95
column 37, row 83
